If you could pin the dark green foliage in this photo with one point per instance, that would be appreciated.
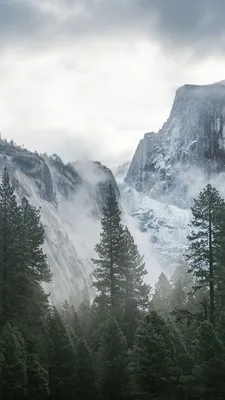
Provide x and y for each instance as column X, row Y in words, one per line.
column 23, row 267
column 107, row 273
column 33, row 238
column 209, row 371
column 111, row 362
column 221, row 328
column 61, row 358
column 134, row 297
column 85, row 373
column 13, row 281
column 154, row 362
column 37, row 378
column 120, row 272
column 14, row 369
column 206, row 243
column 135, row 290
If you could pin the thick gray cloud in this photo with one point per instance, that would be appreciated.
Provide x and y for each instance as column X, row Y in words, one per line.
column 192, row 23
column 20, row 21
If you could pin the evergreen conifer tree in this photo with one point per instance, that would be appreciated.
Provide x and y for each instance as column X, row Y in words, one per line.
column 14, row 369
column 85, row 373
column 204, row 252
column 37, row 378
column 61, row 359
column 13, row 281
column 107, row 273
column 154, row 360
column 71, row 319
column 161, row 300
column 135, row 290
column 111, row 361
column 23, row 267
column 209, row 372
column 134, row 293
column 31, row 241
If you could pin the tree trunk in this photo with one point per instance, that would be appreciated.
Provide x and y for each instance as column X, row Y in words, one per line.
column 211, row 272
column 112, row 277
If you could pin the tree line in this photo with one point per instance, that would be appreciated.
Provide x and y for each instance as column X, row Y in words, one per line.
column 130, row 343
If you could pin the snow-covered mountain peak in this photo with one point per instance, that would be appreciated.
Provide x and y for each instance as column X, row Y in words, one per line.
column 192, row 139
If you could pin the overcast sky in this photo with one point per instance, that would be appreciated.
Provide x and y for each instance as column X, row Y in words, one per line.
column 87, row 78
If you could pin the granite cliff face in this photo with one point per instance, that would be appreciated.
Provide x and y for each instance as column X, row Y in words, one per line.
column 71, row 197
column 165, row 164
column 170, row 167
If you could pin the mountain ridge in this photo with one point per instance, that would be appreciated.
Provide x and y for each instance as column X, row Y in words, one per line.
column 70, row 196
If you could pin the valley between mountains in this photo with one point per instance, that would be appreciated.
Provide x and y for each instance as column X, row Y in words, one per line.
column 155, row 189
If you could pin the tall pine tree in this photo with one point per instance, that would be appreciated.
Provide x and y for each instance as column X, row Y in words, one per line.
column 107, row 273
column 134, row 292
column 133, row 265
column 206, row 239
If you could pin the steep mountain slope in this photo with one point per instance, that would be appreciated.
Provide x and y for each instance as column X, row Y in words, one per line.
column 189, row 145
column 171, row 167
column 165, row 225
column 71, row 197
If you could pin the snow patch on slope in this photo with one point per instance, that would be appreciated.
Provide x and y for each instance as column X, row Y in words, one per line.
column 164, row 226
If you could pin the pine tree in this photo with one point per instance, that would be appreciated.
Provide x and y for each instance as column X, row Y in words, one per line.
column 184, row 358
column 111, row 361
column 71, row 319
column 204, row 252
column 161, row 300
column 85, row 373
column 107, row 273
column 23, row 267
column 13, row 282
column 134, row 293
column 209, row 372
column 61, row 359
column 181, row 287
column 37, row 378
column 14, row 373
column 154, row 361
column 33, row 238
column 135, row 290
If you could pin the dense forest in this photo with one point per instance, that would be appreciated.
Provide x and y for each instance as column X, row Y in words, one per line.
column 132, row 342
